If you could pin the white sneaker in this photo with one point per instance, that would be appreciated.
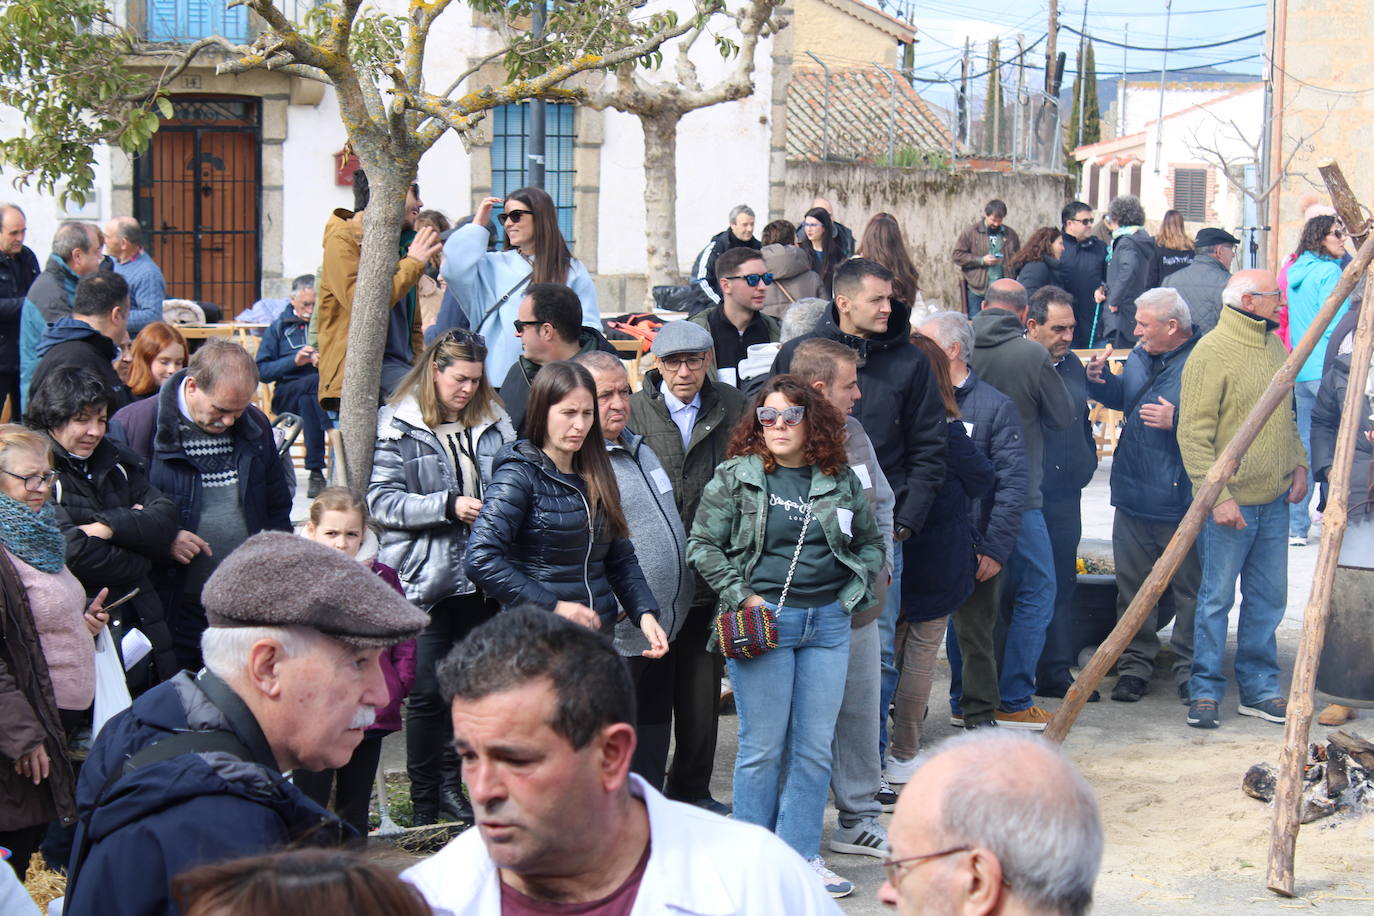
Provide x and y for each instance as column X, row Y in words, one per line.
column 835, row 886
column 1297, row 542
column 898, row 771
column 866, row 838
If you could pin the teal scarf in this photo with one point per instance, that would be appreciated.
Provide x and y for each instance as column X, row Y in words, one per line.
column 32, row 536
column 1117, row 233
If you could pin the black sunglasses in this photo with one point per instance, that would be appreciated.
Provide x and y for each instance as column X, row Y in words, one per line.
column 513, row 216
column 477, row 342
column 520, row 326
column 753, row 279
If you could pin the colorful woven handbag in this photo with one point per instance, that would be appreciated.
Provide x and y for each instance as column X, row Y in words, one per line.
column 748, row 632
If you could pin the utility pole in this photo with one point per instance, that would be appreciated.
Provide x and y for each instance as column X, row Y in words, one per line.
column 1121, row 93
column 1082, row 62
column 1020, row 111
column 1052, row 47
column 535, row 153
column 1163, row 64
column 963, row 93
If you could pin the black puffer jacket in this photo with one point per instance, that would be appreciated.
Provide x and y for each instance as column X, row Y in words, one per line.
column 995, row 427
column 532, row 543
column 105, row 488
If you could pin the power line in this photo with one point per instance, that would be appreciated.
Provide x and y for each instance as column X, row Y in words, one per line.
column 1136, row 15
column 1117, row 44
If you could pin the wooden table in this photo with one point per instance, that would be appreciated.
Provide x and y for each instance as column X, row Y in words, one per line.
column 1106, row 423
column 240, row 329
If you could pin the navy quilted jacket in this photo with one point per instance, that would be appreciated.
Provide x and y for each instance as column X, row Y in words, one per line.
column 532, row 543
column 994, row 425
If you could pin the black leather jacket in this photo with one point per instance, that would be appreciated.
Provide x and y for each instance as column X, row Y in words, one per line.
column 532, row 543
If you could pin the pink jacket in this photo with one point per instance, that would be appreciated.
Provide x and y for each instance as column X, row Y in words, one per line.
column 398, row 666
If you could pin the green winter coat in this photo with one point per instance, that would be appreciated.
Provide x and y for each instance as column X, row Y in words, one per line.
column 727, row 536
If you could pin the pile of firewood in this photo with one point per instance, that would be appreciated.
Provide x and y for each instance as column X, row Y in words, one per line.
column 1338, row 776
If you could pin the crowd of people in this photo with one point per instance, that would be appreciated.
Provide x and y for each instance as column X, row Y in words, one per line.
column 549, row 573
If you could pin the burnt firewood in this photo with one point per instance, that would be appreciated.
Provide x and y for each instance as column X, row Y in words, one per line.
column 1360, row 750
column 1259, row 782
column 1337, row 771
column 1314, row 808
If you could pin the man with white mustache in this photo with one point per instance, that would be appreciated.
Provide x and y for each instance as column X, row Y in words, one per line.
column 193, row 772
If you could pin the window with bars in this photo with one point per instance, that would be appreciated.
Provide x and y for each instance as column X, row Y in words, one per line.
column 510, row 165
column 185, row 21
column 1190, row 194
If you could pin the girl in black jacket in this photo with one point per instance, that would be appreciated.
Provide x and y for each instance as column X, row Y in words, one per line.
column 550, row 532
column 1037, row 263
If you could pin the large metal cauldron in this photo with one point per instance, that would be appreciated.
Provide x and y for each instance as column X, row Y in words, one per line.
column 1346, row 673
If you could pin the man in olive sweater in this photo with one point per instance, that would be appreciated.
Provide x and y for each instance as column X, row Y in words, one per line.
column 1247, row 534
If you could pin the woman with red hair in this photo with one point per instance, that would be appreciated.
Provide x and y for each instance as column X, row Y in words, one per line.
column 160, row 352
column 787, row 538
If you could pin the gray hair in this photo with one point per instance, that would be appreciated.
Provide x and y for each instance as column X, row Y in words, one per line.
column 71, row 236
column 1041, row 822
column 220, row 361
column 225, row 649
column 1237, row 288
column 1209, row 251
column 304, row 281
column 601, row 361
column 951, row 328
column 1165, row 302
column 738, row 210
column 1126, row 210
column 128, row 229
column 801, row 317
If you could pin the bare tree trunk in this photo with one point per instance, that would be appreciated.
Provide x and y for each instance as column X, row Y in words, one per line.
column 388, row 180
column 660, row 197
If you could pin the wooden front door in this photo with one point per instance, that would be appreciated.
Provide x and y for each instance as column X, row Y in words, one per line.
column 198, row 195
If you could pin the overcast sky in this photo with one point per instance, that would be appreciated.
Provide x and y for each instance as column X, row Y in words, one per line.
column 943, row 26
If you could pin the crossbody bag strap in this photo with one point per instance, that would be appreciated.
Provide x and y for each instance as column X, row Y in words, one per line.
column 502, row 301
column 796, row 554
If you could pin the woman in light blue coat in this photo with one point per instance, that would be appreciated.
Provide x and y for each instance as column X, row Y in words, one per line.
column 487, row 286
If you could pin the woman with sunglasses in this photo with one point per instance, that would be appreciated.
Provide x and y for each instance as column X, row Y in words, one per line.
column 436, row 440
column 784, row 526
column 47, row 656
column 490, row 284
column 1311, row 279
column 551, row 533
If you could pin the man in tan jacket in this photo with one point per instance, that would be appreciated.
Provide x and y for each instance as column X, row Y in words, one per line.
column 343, row 237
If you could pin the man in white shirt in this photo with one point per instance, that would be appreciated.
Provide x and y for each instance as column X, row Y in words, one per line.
column 541, row 721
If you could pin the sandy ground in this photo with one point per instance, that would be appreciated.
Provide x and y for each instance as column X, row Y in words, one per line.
column 1181, row 836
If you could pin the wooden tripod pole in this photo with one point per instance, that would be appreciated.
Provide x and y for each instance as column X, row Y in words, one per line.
column 1283, row 837
column 1278, row 391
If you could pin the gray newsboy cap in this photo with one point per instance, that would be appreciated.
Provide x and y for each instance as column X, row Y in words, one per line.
column 681, row 337
column 276, row 579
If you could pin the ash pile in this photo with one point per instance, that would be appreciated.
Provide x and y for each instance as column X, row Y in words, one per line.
column 1338, row 777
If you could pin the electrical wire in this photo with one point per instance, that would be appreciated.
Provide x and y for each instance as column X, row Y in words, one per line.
column 1316, row 88
column 1117, row 44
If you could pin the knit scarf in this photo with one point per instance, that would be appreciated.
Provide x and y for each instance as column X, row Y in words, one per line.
column 1117, row 233
column 32, row 536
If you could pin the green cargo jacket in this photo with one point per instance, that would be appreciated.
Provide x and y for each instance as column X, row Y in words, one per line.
column 727, row 536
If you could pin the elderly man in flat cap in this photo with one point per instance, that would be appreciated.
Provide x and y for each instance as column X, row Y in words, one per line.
column 196, row 770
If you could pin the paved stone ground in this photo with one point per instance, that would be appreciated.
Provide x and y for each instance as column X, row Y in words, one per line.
column 1140, row 758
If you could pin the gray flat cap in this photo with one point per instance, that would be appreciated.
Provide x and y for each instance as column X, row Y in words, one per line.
column 681, row 337
column 276, row 579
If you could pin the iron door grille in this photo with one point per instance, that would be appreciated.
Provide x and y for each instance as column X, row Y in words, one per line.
column 198, row 195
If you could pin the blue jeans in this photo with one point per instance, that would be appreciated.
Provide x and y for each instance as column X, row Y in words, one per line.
column 887, row 640
column 1257, row 555
column 1305, row 395
column 1031, row 567
column 788, row 701
column 974, row 303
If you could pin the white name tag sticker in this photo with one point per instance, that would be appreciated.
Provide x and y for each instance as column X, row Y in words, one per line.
column 846, row 519
column 861, row 472
column 968, row 427
column 728, row 376
column 660, row 478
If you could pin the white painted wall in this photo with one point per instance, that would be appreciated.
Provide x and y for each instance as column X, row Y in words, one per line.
column 42, row 212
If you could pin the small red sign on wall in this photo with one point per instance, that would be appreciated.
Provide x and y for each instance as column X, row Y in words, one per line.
column 345, row 164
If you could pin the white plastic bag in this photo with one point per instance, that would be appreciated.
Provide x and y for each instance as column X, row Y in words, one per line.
column 111, row 691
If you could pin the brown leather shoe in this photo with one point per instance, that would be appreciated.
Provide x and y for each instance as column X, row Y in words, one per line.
column 1336, row 714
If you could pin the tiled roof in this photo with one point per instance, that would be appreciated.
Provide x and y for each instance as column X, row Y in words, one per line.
column 860, row 111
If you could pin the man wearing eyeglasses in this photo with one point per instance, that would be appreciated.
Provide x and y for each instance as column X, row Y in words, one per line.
column 1083, row 267
column 739, row 322
column 974, row 830
column 687, row 417
column 1201, row 282
column 286, row 359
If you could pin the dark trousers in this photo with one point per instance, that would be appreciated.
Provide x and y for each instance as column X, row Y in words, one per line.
column 9, row 391
column 1136, row 545
column 301, row 396
column 429, row 725
column 653, row 680
column 1064, row 520
column 696, row 706
column 22, row 844
column 187, row 622
column 351, row 783
column 971, row 645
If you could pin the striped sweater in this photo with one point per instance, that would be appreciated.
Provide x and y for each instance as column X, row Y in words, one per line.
column 1223, row 379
